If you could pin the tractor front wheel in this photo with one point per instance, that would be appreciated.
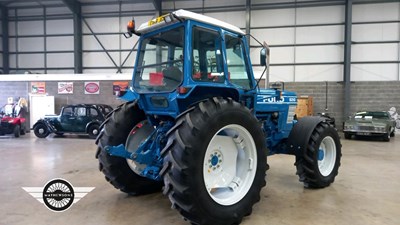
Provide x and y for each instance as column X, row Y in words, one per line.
column 115, row 131
column 318, row 164
column 215, row 163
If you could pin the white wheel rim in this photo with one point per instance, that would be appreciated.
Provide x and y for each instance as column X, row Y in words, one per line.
column 230, row 164
column 326, row 156
column 41, row 130
column 133, row 165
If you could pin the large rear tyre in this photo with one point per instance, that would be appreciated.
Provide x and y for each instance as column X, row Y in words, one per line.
column 115, row 131
column 319, row 163
column 215, row 163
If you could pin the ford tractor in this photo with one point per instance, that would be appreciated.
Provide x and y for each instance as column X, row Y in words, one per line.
column 197, row 125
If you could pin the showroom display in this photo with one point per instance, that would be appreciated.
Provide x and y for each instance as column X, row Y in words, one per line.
column 78, row 119
column 370, row 123
column 12, row 118
column 197, row 123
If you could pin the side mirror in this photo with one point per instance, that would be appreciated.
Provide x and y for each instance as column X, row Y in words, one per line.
column 264, row 55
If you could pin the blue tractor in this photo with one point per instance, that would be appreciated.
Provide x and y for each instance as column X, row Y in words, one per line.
column 197, row 126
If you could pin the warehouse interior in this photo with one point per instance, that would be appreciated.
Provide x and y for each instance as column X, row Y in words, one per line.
column 340, row 57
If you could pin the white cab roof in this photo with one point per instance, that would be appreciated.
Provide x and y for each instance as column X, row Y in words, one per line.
column 206, row 19
column 184, row 14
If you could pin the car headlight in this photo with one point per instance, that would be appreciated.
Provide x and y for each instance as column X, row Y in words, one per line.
column 381, row 129
column 11, row 121
column 348, row 127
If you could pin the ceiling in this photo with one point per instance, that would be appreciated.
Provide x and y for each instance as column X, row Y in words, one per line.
column 55, row 3
column 15, row 4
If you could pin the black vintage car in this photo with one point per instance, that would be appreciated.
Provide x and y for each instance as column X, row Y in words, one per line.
column 79, row 119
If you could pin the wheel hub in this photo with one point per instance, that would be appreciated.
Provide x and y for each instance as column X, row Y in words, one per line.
column 136, row 138
column 321, row 154
column 41, row 130
column 229, row 164
column 326, row 156
column 215, row 160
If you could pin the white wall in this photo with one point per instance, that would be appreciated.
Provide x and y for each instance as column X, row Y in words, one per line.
column 304, row 49
column 375, row 33
column 278, row 28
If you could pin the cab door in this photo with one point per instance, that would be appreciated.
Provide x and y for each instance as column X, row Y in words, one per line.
column 237, row 62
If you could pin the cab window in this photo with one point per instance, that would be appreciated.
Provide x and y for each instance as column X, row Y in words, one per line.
column 235, row 60
column 207, row 61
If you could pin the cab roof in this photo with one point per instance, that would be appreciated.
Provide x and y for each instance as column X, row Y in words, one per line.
column 182, row 14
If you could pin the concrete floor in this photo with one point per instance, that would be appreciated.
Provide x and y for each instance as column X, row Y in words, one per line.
column 366, row 192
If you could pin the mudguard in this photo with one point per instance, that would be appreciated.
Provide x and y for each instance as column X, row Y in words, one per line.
column 301, row 133
column 96, row 122
column 49, row 126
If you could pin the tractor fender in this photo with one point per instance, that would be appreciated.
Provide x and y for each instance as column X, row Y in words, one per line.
column 49, row 126
column 301, row 133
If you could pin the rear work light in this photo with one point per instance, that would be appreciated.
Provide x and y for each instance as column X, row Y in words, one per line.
column 183, row 90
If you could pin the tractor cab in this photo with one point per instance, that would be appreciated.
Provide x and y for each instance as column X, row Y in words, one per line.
column 184, row 58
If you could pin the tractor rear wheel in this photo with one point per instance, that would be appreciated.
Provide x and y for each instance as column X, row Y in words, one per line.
column 319, row 163
column 115, row 131
column 215, row 163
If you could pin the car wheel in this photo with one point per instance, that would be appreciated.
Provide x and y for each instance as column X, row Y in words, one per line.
column 93, row 131
column 347, row 136
column 41, row 131
column 386, row 137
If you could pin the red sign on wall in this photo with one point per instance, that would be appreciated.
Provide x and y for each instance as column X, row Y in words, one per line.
column 92, row 88
column 38, row 87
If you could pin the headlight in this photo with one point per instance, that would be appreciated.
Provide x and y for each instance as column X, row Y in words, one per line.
column 11, row 121
column 381, row 129
column 348, row 127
